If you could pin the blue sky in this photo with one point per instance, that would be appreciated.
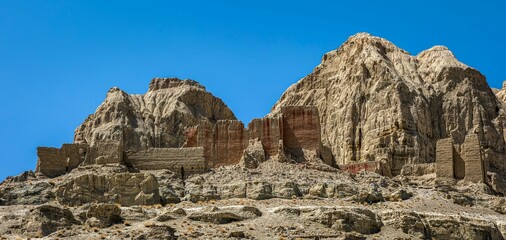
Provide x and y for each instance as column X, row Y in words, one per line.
column 59, row 58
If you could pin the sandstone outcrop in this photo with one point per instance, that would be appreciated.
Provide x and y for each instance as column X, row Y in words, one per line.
column 46, row 219
column 103, row 215
column 377, row 102
column 155, row 119
column 225, row 215
column 358, row 220
column 123, row 188
column 22, row 193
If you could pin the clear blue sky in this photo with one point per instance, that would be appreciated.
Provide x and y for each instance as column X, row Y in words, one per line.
column 59, row 58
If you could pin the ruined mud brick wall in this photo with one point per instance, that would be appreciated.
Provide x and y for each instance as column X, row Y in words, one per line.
column 471, row 153
column 173, row 159
column 230, row 142
column 105, row 152
column 269, row 131
column 463, row 161
column 444, row 158
column 202, row 135
column 225, row 141
column 52, row 162
column 301, row 128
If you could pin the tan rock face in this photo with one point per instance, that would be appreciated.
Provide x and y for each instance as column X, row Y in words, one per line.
column 293, row 130
column 124, row 188
column 378, row 102
column 155, row 119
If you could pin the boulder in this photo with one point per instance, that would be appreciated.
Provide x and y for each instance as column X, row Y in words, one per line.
column 135, row 213
column 171, row 214
column 157, row 232
column 254, row 154
column 258, row 190
column 103, row 215
column 170, row 186
column 202, row 193
column 287, row 190
column 233, row 190
column 332, row 190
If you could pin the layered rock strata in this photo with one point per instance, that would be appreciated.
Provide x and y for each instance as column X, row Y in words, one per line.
column 379, row 103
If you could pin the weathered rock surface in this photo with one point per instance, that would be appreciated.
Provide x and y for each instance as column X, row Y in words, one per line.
column 155, row 119
column 123, row 188
column 103, row 215
column 225, row 214
column 358, row 220
column 170, row 187
column 26, row 193
column 46, row 219
column 253, row 155
column 158, row 232
column 424, row 136
column 377, row 102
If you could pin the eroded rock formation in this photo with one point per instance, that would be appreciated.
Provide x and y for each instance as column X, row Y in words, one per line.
column 155, row 119
column 375, row 143
column 379, row 103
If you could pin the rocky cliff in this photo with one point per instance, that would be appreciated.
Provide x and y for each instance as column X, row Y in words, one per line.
column 378, row 102
column 418, row 142
column 155, row 119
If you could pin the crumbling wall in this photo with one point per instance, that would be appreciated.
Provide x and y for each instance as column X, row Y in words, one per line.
column 106, row 152
column 269, row 131
column 463, row 161
column 472, row 156
column 202, row 135
column 230, row 142
column 174, row 159
column 52, row 162
column 225, row 141
column 301, row 128
column 444, row 158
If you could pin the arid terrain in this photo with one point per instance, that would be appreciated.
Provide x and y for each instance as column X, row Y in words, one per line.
column 375, row 143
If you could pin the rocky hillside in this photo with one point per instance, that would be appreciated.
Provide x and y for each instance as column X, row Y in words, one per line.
column 412, row 147
column 378, row 102
column 155, row 119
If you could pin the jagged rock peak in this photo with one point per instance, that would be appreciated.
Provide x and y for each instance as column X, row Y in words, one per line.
column 362, row 39
column 441, row 56
column 155, row 119
column 116, row 92
column 377, row 102
column 167, row 83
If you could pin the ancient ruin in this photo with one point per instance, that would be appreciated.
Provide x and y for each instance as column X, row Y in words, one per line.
column 206, row 146
column 465, row 161
column 375, row 143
